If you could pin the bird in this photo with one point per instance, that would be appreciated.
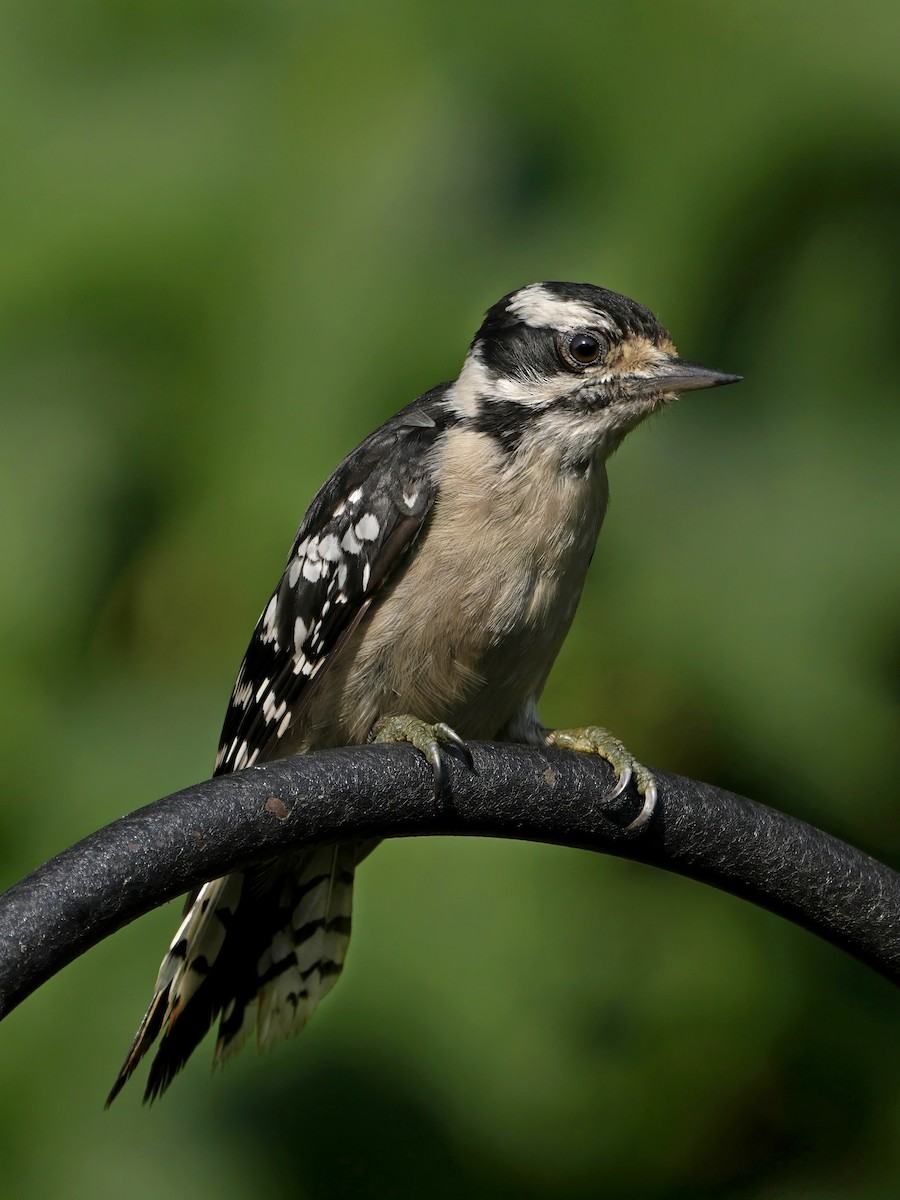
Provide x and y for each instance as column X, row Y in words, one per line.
column 426, row 595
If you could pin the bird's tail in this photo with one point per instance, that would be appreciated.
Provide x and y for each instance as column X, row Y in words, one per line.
column 260, row 947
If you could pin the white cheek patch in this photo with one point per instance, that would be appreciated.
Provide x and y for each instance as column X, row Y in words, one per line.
column 537, row 393
column 478, row 385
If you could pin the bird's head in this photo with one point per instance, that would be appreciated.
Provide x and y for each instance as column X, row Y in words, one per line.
column 572, row 365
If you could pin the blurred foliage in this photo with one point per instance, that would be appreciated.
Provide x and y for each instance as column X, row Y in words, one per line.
column 233, row 237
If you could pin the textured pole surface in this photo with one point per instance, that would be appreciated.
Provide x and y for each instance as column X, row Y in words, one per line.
column 165, row 849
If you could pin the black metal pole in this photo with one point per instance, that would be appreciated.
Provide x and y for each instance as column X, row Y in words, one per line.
column 136, row 863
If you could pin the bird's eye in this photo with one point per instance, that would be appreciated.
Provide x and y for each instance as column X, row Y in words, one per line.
column 584, row 348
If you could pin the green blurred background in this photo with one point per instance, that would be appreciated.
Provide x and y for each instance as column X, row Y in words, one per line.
column 234, row 236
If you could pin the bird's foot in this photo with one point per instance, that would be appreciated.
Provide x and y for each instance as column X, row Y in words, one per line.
column 594, row 740
column 426, row 738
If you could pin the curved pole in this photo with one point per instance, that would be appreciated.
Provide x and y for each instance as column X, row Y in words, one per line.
column 158, row 852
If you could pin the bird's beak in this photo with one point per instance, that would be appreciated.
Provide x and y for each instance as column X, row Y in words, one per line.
column 679, row 375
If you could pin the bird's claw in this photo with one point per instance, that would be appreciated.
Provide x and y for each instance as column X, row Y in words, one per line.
column 594, row 740
column 649, row 795
column 621, row 784
column 427, row 739
column 443, row 731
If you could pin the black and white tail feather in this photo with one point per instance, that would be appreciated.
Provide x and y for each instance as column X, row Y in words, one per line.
column 259, row 949
column 274, row 946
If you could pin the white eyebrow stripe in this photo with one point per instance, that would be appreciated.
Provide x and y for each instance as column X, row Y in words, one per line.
column 534, row 305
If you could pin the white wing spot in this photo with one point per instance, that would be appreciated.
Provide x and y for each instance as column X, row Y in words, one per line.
column 285, row 721
column 365, row 578
column 349, row 544
column 367, row 528
column 269, row 620
column 409, row 499
column 294, row 572
column 300, row 632
column 312, row 569
column 355, row 496
column 329, row 548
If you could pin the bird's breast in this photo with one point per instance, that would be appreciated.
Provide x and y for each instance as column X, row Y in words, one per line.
column 467, row 630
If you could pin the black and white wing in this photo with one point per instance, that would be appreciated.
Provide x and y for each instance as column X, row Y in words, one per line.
column 357, row 530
